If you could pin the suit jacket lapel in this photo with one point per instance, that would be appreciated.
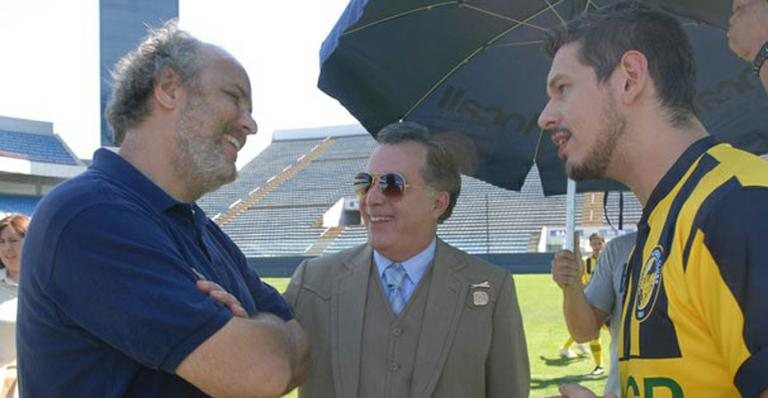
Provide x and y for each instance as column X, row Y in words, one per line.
column 441, row 317
column 347, row 321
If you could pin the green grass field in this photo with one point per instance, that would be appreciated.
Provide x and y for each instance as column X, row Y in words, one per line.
column 541, row 303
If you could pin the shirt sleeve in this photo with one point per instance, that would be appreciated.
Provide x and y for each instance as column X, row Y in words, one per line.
column 599, row 289
column 117, row 274
column 734, row 303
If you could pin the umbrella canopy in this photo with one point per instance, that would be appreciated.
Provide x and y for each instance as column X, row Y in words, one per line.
column 475, row 70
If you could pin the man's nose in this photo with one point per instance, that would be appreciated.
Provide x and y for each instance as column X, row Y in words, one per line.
column 374, row 195
column 549, row 118
column 248, row 124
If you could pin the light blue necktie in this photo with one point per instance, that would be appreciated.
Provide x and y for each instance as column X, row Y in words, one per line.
column 394, row 275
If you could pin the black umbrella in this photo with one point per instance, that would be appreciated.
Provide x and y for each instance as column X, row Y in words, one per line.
column 476, row 69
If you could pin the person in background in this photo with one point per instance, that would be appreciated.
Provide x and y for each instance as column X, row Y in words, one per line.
column 13, row 229
column 596, row 242
column 129, row 289
column 748, row 35
column 587, row 310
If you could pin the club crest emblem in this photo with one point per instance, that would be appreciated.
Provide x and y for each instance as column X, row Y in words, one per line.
column 480, row 298
column 649, row 283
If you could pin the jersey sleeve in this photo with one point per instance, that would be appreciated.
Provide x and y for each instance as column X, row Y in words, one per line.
column 734, row 298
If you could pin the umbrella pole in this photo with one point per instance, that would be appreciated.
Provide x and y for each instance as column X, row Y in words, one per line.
column 570, row 214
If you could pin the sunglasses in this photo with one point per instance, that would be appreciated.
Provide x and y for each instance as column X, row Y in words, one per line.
column 392, row 185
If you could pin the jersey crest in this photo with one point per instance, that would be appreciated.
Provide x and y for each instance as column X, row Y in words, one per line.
column 649, row 283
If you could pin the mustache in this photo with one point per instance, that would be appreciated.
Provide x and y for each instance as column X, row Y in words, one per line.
column 559, row 130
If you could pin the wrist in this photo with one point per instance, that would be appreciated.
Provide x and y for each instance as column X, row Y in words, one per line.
column 760, row 59
column 574, row 289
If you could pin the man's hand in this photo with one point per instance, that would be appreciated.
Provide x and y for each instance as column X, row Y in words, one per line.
column 748, row 28
column 577, row 391
column 567, row 269
column 219, row 294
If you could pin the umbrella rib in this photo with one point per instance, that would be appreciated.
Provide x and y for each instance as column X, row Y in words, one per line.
column 506, row 18
column 552, row 7
column 470, row 56
column 538, row 146
column 520, row 43
column 398, row 15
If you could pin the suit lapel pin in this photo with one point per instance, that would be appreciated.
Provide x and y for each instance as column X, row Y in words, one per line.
column 480, row 297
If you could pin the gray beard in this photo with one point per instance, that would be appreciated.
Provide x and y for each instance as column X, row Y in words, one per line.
column 203, row 164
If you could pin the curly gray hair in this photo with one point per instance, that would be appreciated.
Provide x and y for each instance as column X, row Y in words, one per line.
column 135, row 74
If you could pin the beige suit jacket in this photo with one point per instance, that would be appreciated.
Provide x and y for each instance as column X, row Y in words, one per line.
column 328, row 295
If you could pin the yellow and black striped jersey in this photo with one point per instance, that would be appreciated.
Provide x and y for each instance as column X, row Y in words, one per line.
column 589, row 268
column 695, row 314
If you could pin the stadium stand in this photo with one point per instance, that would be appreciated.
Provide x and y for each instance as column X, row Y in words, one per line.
column 18, row 204
column 34, row 147
column 32, row 161
column 304, row 182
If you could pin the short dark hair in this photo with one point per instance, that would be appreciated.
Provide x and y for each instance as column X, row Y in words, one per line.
column 440, row 170
column 136, row 73
column 596, row 235
column 607, row 33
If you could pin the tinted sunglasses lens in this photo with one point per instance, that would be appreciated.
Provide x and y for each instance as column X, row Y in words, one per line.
column 362, row 183
column 392, row 185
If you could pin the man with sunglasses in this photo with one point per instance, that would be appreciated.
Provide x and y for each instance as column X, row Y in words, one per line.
column 406, row 314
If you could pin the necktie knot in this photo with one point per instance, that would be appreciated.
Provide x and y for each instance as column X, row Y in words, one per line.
column 394, row 275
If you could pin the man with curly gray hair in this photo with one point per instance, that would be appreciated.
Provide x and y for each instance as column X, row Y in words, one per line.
column 131, row 289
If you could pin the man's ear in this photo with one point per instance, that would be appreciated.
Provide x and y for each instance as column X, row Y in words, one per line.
column 440, row 203
column 633, row 76
column 167, row 85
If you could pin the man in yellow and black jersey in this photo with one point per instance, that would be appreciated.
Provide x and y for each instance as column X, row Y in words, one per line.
column 596, row 242
column 621, row 90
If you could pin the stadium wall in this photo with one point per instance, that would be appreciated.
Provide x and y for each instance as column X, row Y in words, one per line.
column 516, row 263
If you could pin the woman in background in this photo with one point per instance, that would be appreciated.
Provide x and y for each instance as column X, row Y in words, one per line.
column 12, row 231
column 13, row 228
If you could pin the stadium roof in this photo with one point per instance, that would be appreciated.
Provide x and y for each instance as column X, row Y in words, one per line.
column 318, row 132
column 30, row 147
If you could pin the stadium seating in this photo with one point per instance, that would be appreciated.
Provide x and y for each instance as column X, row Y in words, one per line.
column 45, row 148
column 18, row 204
column 287, row 221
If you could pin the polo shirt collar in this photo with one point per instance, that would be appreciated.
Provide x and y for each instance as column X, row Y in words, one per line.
column 121, row 171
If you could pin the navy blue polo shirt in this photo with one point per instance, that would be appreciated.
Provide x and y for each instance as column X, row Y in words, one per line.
column 108, row 305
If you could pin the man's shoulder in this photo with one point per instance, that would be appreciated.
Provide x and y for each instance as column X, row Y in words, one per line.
column 328, row 263
column 471, row 265
column 317, row 274
column 741, row 162
column 80, row 192
column 620, row 245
